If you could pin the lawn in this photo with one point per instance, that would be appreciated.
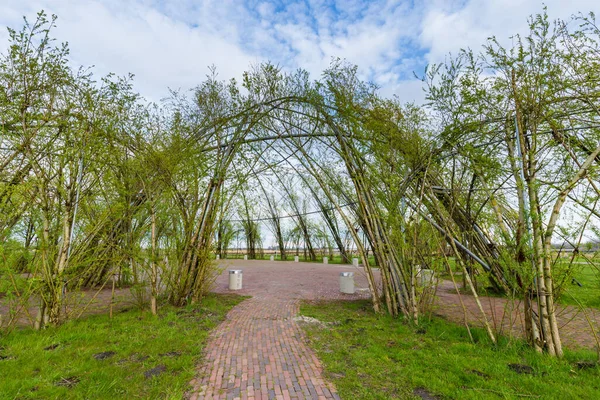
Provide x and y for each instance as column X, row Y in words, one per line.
column 588, row 294
column 378, row 357
column 134, row 355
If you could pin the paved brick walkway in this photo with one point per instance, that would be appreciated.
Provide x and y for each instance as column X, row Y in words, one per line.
column 259, row 351
column 577, row 327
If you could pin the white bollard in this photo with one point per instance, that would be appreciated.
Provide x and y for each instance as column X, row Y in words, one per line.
column 245, row 256
column 355, row 262
column 347, row 282
column 296, row 259
column 235, row 279
column 325, row 260
column 218, row 257
column 426, row 277
column 272, row 258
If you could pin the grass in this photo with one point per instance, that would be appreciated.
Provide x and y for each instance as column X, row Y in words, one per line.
column 588, row 294
column 63, row 362
column 378, row 357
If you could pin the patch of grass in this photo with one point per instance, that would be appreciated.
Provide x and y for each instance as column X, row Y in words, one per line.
column 588, row 294
column 378, row 357
column 135, row 355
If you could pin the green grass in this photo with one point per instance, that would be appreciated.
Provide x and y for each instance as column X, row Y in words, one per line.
column 31, row 369
column 371, row 357
column 588, row 294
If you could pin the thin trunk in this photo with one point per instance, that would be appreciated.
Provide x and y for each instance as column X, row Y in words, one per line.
column 153, row 267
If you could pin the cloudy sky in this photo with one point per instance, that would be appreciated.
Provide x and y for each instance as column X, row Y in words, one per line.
column 171, row 43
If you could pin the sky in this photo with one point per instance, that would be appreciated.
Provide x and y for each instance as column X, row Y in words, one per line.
column 170, row 44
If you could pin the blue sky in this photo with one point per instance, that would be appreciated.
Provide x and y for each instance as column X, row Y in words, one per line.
column 171, row 43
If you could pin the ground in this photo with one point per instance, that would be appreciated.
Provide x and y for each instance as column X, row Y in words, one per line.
column 578, row 326
column 261, row 350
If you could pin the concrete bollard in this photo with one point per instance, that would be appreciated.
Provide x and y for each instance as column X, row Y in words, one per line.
column 426, row 277
column 355, row 262
column 245, row 257
column 296, row 259
column 418, row 270
column 325, row 260
column 235, row 279
column 347, row 282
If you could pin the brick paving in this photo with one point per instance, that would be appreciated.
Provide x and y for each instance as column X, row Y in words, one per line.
column 86, row 302
column 259, row 351
column 577, row 327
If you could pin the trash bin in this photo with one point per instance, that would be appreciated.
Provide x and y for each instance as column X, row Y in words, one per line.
column 245, row 257
column 272, row 258
column 296, row 259
column 325, row 260
column 235, row 279
column 218, row 257
column 347, row 282
column 355, row 262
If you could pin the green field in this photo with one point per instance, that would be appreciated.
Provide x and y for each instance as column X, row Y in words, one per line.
column 588, row 294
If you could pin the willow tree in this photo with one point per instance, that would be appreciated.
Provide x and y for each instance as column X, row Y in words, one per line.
column 50, row 115
column 522, row 104
column 274, row 220
column 222, row 119
column 58, row 124
column 251, row 228
column 329, row 217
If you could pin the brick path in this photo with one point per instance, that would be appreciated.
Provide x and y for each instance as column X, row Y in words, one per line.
column 506, row 316
column 87, row 301
column 260, row 352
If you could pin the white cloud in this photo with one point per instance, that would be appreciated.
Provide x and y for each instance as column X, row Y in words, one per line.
column 407, row 91
column 448, row 28
column 161, row 51
column 171, row 43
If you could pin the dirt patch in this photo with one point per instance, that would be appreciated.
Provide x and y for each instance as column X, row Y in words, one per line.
column 521, row 369
column 424, row 394
column 139, row 357
column 104, row 355
column 478, row 373
column 586, row 364
column 159, row 369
